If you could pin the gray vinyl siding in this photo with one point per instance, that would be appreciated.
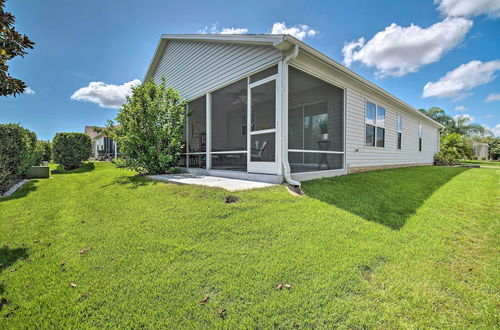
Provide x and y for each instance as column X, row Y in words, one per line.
column 390, row 154
column 194, row 67
column 359, row 155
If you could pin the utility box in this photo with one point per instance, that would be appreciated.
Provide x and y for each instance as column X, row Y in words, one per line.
column 38, row 172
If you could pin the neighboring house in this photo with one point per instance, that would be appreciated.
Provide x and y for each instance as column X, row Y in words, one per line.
column 480, row 150
column 270, row 104
column 103, row 148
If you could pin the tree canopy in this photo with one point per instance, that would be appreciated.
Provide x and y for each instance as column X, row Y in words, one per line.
column 149, row 128
column 12, row 44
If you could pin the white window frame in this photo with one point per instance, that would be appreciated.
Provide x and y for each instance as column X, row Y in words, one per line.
column 399, row 130
column 420, row 137
column 375, row 123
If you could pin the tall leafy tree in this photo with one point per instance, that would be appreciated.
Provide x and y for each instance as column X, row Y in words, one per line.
column 149, row 128
column 438, row 115
column 463, row 126
column 12, row 44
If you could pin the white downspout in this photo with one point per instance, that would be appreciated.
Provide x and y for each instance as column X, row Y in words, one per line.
column 284, row 103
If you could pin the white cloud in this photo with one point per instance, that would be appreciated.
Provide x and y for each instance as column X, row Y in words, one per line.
column 233, row 30
column 213, row 29
column 299, row 31
column 465, row 115
column 209, row 29
column 397, row 50
column 105, row 95
column 455, row 83
column 489, row 116
column 469, row 8
column 28, row 90
column 495, row 130
column 493, row 97
column 460, row 108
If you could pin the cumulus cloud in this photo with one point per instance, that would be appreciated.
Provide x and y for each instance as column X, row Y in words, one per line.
column 214, row 29
column 299, row 31
column 465, row 115
column 105, row 95
column 28, row 90
column 489, row 116
column 209, row 29
column 493, row 97
column 233, row 30
column 469, row 8
column 398, row 50
column 496, row 130
column 460, row 108
column 455, row 83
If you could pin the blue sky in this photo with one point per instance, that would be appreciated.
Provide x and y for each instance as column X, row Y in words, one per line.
column 453, row 49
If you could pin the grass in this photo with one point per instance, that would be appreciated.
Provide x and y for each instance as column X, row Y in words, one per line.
column 481, row 162
column 413, row 247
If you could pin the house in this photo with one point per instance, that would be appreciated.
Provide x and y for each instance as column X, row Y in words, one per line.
column 480, row 150
column 268, row 107
column 103, row 147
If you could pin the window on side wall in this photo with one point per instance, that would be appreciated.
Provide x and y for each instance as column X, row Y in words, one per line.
column 374, row 125
column 399, row 129
column 420, row 135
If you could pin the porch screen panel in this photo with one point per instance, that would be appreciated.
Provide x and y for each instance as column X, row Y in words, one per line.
column 229, row 109
column 197, row 125
column 315, row 123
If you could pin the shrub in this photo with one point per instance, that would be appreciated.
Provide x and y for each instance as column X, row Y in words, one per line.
column 17, row 152
column 446, row 157
column 459, row 144
column 149, row 128
column 71, row 149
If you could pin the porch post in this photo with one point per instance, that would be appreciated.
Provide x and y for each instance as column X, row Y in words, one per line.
column 208, row 116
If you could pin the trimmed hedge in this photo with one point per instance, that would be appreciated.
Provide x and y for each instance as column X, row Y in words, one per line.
column 17, row 153
column 71, row 149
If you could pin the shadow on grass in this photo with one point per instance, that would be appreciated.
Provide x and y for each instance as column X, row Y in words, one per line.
column 9, row 256
column 132, row 182
column 86, row 167
column 388, row 197
column 21, row 192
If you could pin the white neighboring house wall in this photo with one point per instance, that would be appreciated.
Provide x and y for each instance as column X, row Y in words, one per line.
column 480, row 150
column 98, row 144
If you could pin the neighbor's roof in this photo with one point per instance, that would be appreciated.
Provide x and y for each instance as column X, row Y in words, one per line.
column 281, row 42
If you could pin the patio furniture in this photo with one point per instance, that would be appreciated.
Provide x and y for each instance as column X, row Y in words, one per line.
column 256, row 154
column 323, row 159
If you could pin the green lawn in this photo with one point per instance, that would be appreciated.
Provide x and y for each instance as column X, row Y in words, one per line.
column 412, row 247
column 481, row 162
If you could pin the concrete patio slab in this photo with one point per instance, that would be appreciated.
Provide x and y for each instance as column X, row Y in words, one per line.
column 210, row 181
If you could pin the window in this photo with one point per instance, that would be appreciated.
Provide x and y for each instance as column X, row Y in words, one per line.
column 399, row 129
column 420, row 135
column 374, row 125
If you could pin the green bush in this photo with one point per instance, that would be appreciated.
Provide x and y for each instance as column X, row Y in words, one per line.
column 71, row 149
column 447, row 157
column 458, row 143
column 149, row 128
column 17, row 152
